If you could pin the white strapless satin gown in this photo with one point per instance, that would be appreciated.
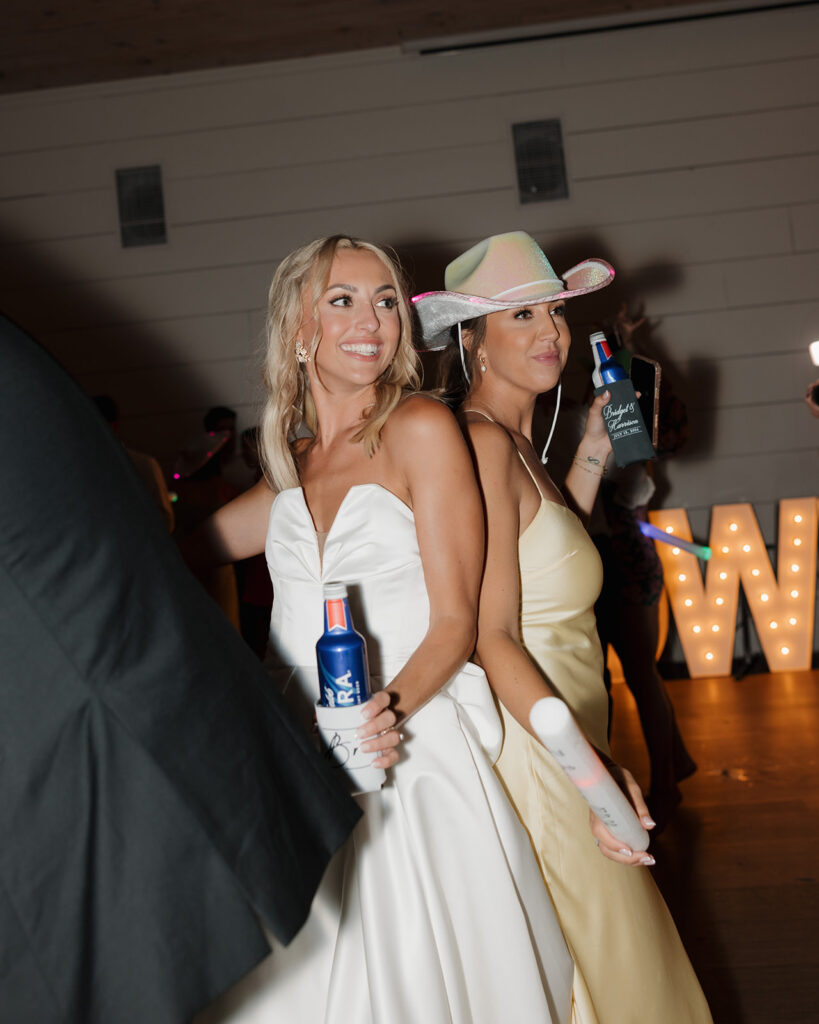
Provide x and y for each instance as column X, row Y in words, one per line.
column 434, row 912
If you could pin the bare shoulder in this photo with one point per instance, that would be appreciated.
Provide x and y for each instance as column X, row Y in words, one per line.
column 424, row 444
column 421, row 419
column 489, row 441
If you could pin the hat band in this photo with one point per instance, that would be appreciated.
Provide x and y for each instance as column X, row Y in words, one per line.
column 531, row 284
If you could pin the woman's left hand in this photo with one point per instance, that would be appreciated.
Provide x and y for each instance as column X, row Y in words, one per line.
column 596, row 437
column 380, row 731
column 614, row 848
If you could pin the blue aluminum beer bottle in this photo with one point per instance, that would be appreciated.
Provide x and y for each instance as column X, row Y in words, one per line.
column 341, row 654
column 629, row 438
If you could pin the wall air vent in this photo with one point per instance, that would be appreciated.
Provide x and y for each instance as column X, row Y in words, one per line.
column 539, row 160
column 141, row 206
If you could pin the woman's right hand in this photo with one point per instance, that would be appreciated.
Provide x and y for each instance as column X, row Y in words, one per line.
column 381, row 730
column 608, row 844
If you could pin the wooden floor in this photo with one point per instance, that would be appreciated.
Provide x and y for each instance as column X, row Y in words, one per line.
column 739, row 863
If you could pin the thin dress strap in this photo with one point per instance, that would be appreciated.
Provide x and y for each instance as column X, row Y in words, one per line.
column 520, row 453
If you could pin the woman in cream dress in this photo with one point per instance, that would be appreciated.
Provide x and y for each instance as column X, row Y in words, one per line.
column 536, row 626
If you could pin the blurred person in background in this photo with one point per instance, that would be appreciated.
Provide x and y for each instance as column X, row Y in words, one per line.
column 233, row 466
column 148, row 468
column 202, row 489
column 627, row 610
column 252, row 576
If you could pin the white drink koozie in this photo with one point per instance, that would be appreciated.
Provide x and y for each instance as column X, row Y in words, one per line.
column 561, row 735
column 337, row 727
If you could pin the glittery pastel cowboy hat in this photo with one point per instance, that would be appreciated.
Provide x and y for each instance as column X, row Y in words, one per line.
column 501, row 272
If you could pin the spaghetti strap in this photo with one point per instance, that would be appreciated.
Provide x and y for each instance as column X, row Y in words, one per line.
column 531, row 474
column 486, row 416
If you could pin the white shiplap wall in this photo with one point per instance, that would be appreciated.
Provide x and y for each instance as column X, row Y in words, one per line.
column 693, row 159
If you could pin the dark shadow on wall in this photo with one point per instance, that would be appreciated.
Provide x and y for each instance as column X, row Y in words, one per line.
column 424, row 266
column 100, row 345
column 97, row 342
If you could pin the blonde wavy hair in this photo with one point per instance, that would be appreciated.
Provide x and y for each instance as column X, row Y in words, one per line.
column 289, row 404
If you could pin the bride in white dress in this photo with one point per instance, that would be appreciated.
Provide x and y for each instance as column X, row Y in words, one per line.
column 435, row 911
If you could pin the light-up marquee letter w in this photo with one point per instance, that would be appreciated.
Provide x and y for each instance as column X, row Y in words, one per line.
column 782, row 609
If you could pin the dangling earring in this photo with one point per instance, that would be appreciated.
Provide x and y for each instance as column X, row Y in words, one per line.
column 482, row 361
column 302, row 355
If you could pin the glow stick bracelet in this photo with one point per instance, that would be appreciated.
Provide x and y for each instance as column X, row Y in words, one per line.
column 700, row 550
column 560, row 734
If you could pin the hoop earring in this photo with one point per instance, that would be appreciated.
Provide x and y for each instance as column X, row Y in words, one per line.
column 302, row 355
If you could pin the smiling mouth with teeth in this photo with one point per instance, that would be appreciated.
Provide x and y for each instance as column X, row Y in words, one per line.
column 361, row 349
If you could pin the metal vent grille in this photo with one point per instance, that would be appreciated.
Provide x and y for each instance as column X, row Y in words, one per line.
column 539, row 160
column 141, row 206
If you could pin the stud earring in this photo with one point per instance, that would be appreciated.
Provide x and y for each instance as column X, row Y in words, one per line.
column 482, row 361
column 302, row 355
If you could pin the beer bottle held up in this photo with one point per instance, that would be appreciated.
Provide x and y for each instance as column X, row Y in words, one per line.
column 629, row 438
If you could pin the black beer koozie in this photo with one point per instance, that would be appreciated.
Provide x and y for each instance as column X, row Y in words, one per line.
column 629, row 437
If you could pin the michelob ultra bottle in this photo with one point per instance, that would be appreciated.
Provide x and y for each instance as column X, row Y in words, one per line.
column 341, row 653
column 629, row 438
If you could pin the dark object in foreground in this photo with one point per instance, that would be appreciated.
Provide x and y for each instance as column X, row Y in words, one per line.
column 156, row 799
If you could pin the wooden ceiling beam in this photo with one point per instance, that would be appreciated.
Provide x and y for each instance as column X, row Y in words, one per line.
column 71, row 42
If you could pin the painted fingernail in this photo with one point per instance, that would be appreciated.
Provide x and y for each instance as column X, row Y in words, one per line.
column 366, row 747
column 648, row 821
column 648, row 860
column 625, row 851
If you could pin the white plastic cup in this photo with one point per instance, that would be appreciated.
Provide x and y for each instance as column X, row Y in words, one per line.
column 337, row 728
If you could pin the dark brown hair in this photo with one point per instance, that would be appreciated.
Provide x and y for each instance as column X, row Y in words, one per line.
column 454, row 386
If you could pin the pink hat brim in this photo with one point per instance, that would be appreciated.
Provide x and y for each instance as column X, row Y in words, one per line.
column 439, row 311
